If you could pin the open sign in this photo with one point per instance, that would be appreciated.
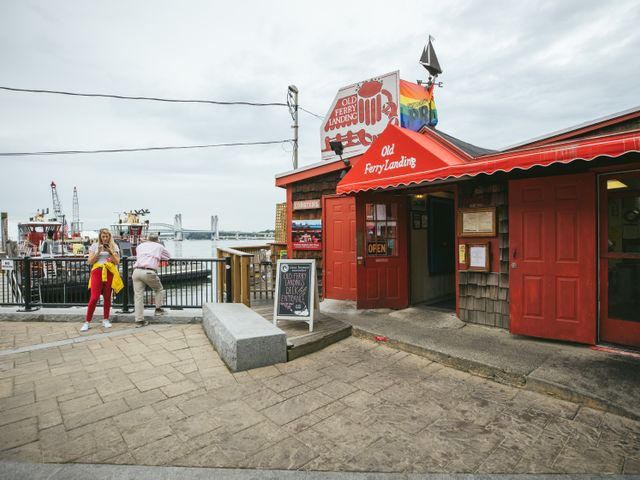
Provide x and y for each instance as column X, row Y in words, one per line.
column 377, row 248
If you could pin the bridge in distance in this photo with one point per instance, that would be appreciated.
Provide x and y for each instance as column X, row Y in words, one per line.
column 177, row 232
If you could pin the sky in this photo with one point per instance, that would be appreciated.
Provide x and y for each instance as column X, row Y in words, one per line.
column 511, row 71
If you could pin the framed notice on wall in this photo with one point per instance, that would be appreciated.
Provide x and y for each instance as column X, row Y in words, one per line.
column 479, row 257
column 416, row 221
column 462, row 254
column 296, row 294
column 477, row 222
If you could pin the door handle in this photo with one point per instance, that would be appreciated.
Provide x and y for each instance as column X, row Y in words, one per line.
column 515, row 252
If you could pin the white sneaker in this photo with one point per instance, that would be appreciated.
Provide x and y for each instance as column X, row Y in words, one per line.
column 106, row 324
column 85, row 327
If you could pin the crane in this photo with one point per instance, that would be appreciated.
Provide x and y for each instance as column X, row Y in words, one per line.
column 76, row 225
column 57, row 206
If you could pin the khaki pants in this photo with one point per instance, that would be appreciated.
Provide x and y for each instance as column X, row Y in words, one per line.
column 141, row 279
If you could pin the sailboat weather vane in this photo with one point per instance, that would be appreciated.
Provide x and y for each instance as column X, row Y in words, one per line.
column 429, row 61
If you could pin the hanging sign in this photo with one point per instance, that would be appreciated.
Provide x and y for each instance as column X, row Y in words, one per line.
column 359, row 113
column 296, row 294
column 7, row 264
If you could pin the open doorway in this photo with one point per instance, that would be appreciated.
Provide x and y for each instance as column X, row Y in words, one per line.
column 432, row 253
column 620, row 258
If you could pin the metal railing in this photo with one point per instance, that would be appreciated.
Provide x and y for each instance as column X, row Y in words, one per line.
column 63, row 281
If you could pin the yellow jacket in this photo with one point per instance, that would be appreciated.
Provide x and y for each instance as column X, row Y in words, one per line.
column 116, row 283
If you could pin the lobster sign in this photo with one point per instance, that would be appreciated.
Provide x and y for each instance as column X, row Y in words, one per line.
column 359, row 113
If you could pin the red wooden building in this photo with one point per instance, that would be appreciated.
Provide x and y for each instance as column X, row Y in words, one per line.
column 542, row 239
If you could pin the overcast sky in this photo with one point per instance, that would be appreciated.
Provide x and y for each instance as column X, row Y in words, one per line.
column 512, row 71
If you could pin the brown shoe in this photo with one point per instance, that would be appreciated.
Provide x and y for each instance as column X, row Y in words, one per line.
column 142, row 323
column 160, row 311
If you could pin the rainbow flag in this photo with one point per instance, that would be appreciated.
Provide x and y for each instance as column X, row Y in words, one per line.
column 417, row 106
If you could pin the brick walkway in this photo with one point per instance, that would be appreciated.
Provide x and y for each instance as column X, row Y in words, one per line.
column 161, row 396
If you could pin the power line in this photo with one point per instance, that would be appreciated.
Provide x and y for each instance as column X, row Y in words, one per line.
column 144, row 149
column 155, row 99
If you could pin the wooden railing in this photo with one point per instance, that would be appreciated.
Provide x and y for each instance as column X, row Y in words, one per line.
column 252, row 271
column 239, row 275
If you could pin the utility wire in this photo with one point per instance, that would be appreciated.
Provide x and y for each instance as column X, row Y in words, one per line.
column 144, row 149
column 311, row 113
column 155, row 99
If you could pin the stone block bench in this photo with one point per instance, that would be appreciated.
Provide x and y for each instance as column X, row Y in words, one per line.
column 243, row 339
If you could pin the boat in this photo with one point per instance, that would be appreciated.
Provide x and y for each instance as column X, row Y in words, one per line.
column 40, row 235
column 129, row 231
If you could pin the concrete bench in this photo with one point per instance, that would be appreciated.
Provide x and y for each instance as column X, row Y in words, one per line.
column 243, row 339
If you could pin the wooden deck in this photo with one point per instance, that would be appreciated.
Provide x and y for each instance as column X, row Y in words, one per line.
column 326, row 330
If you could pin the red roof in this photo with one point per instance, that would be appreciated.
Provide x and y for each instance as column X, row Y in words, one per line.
column 400, row 158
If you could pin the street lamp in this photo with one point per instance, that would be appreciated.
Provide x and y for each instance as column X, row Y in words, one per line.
column 338, row 148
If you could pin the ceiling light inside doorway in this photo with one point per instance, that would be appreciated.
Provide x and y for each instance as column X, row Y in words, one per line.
column 615, row 184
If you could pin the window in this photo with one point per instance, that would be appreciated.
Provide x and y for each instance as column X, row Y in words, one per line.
column 381, row 225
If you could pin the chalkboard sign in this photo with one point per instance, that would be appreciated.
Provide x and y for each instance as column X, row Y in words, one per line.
column 296, row 291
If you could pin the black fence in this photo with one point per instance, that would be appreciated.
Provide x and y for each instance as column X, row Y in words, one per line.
column 63, row 282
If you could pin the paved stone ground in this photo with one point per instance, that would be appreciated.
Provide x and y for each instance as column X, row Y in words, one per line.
column 161, row 396
column 22, row 334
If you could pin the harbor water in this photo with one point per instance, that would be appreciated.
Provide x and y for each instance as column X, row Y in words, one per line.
column 205, row 248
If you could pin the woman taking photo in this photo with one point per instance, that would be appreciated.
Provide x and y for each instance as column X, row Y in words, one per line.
column 104, row 257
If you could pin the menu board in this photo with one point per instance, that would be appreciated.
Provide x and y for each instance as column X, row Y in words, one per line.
column 296, row 291
column 477, row 222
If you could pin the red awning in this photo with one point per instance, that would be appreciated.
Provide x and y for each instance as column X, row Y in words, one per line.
column 437, row 161
column 398, row 157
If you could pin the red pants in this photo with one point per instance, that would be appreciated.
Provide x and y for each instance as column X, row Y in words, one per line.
column 99, row 287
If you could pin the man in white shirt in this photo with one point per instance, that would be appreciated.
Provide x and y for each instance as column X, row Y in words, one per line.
column 149, row 254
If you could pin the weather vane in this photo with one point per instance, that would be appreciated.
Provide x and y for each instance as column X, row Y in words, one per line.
column 429, row 61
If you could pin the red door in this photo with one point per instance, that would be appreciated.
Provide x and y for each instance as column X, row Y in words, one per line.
column 339, row 248
column 552, row 236
column 620, row 258
column 382, row 252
